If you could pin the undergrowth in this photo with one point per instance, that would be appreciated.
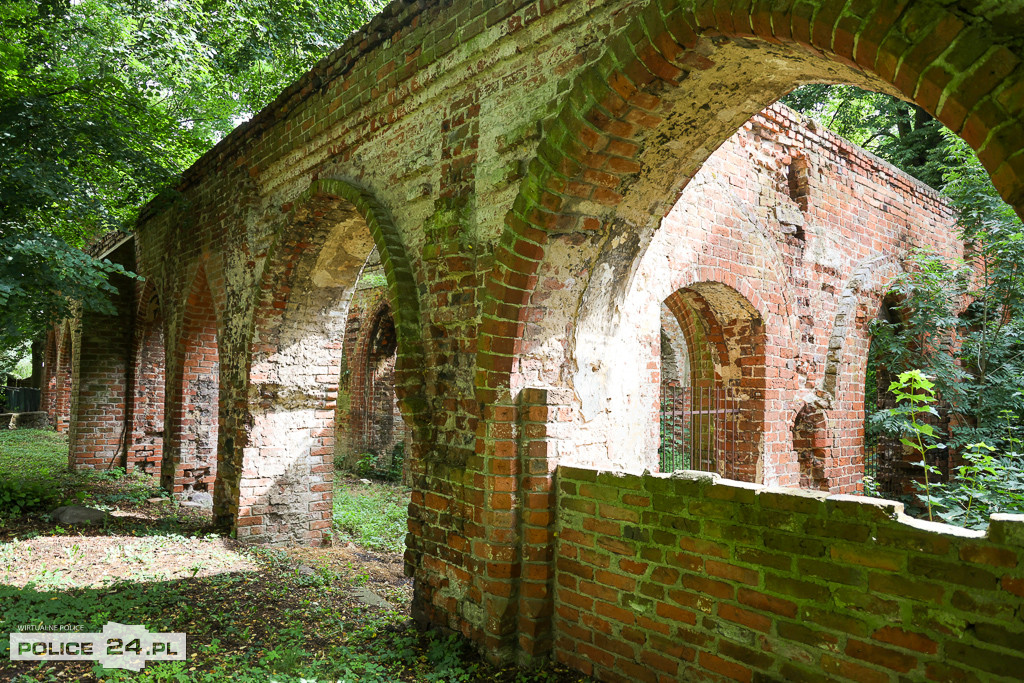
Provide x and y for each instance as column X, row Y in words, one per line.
column 371, row 514
column 34, row 477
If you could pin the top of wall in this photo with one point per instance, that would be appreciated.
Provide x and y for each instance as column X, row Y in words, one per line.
column 351, row 61
column 792, row 123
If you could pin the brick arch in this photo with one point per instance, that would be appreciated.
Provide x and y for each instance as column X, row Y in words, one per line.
column 733, row 332
column 192, row 407
column 298, row 327
column 604, row 165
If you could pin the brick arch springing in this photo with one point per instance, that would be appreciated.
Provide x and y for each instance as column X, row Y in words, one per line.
column 192, row 411
column 147, row 385
column 298, row 337
column 606, row 150
column 836, row 408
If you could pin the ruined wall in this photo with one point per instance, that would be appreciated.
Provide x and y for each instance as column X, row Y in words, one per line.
column 511, row 162
column 673, row 578
column 809, row 227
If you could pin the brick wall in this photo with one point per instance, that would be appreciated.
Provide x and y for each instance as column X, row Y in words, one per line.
column 780, row 315
column 99, row 379
column 512, row 162
column 663, row 578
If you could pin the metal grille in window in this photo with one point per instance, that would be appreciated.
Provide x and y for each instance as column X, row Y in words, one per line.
column 698, row 427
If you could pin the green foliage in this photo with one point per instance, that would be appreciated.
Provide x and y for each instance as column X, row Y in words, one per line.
column 17, row 498
column 372, row 465
column 988, row 482
column 373, row 281
column 104, row 102
column 34, row 476
column 962, row 324
column 915, row 396
column 373, row 515
column 33, row 470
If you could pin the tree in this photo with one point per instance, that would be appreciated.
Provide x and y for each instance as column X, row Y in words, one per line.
column 104, row 102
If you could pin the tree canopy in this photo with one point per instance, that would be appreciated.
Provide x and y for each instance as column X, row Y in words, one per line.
column 105, row 102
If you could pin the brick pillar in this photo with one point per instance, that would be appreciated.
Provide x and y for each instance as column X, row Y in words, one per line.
column 537, row 527
column 145, row 450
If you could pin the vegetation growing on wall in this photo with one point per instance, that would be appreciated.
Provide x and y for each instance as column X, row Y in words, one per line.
column 960, row 323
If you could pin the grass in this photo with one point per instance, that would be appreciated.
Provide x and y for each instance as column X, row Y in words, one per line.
column 250, row 614
column 371, row 514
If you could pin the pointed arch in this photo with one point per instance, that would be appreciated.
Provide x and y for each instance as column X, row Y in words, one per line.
column 281, row 486
column 683, row 72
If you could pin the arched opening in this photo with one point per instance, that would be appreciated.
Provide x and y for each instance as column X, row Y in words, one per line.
column 375, row 429
column 297, row 365
column 145, row 452
column 715, row 420
column 194, row 406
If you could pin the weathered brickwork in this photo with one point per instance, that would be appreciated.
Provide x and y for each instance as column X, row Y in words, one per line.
column 665, row 578
column 368, row 413
column 512, row 163
column 99, row 368
column 147, row 381
column 772, row 295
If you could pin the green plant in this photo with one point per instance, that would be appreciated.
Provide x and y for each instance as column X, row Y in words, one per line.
column 20, row 497
column 397, row 462
column 366, row 464
column 374, row 516
column 915, row 396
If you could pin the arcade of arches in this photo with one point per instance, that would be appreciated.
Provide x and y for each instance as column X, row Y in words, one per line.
column 576, row 209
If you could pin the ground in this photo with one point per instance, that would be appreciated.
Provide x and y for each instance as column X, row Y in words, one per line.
column 249, row 613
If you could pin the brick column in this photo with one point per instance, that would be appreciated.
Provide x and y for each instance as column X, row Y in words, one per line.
column 537, row 527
